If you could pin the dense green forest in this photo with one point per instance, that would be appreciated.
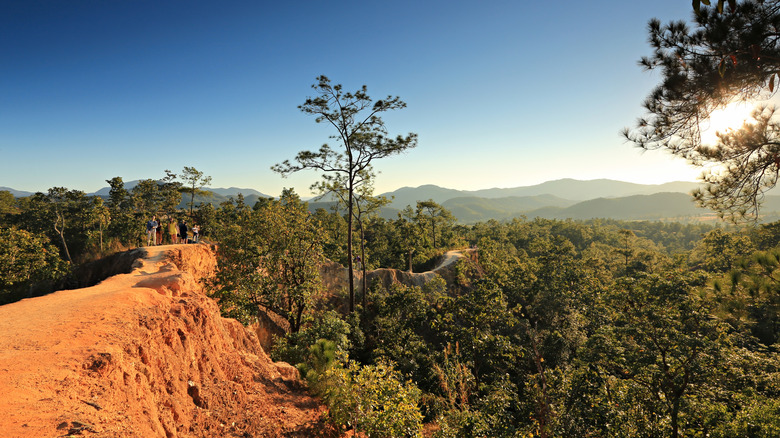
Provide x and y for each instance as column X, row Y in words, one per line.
column 555, row 328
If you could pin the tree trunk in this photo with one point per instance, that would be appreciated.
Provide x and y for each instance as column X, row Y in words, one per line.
column 433, row 231
column 675, row 419
column 62, row 235
column 363, row 263
column 349, row 248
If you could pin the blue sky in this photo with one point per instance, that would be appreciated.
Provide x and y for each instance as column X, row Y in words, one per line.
column 501, row 93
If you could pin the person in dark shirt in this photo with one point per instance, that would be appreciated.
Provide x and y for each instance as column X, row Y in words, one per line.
column 151, row 232
column 183, row 231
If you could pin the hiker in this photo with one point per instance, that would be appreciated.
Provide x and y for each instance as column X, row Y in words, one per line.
column 159, row 234
column 183, row 231
column 151, row 231
column 173, row 230
column 195, row 233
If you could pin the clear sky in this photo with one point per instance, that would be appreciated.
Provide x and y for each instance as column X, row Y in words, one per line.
column 501, row 93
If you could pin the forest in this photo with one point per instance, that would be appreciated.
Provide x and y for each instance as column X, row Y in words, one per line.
column 555, row 328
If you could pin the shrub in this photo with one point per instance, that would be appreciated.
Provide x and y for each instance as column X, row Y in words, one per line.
column 371, row 399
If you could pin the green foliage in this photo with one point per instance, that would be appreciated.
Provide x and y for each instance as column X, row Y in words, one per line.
column 720, row 250
column 667, row 349
column 26, row 259
column 295, row 347
column 151, row 197
column 437, row 218
column 7, row 204
column 269, row 257
column 560, row 328
column 748, row 296
column 371, row 399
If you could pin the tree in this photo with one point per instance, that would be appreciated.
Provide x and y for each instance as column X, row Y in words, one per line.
column 123, row 224
column 436, row 215
column 99, row 215
column 169, row 193
column 269, row 257
column 362, row 136
column 411, row 235
column 144, row 197
column 26, row 258
column 664, row 351
column 194, row 180
column 731, row 54
column 118, row 196
column 153, row 197
column 7, row 203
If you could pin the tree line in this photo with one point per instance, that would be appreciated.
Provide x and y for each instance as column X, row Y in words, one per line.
column 46, row 236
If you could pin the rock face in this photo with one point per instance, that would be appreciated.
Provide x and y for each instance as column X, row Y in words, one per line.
column 336, row 277
column 143, row 354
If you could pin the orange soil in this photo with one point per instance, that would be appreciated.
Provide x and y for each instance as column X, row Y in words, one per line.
column 144, row 354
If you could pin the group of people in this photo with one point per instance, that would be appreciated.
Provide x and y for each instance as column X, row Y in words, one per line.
column 178, row 233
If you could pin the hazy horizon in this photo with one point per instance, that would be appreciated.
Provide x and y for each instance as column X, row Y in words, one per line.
column 308, row 195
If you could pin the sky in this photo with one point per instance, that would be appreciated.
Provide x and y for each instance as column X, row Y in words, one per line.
column 501, row 93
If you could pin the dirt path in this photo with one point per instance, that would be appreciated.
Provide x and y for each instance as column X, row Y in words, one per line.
column 450, row 258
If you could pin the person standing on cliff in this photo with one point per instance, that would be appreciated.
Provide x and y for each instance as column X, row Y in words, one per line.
column 195, row 233
column 151, row 231
column 159, row 233
column 183, row 231
column 173, row 230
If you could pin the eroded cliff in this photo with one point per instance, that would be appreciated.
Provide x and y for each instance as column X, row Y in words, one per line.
column 143, row 354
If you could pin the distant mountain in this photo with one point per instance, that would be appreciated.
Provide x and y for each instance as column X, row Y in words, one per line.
column 571, row 189
column 470, row 209
column 578, row 190
column 638, row 207
column 234, row 191
column 410, row 195
column 16, row 193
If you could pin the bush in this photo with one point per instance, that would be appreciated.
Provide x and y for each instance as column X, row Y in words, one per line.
column 25, row 260
column 371, row 399
column 294, row 348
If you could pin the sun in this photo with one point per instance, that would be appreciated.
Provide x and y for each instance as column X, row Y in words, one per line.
column 731, row 117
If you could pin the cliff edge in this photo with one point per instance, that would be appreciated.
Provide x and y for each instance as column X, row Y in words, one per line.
column 144, row 354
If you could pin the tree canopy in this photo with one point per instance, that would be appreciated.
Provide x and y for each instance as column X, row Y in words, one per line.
column 729, row 52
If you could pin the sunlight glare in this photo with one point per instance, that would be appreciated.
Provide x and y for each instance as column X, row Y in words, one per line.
column 732, row 116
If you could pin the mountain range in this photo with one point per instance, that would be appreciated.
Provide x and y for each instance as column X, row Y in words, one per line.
column 559, row 199
column 570, row 189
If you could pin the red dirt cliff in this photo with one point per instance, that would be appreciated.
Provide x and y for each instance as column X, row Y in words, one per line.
column 143, row 354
